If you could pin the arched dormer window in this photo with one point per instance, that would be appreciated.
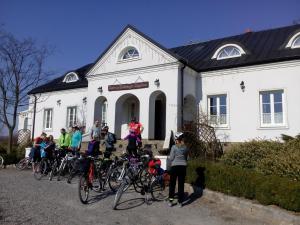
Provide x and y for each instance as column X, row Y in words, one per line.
column 294, row 42
column 228, row 51
column 71, row 77
column 129, row 53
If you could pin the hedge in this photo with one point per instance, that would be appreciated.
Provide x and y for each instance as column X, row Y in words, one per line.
column 267, row 157
column 236, row 181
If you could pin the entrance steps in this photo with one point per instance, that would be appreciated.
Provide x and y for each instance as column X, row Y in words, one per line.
column 121, row 145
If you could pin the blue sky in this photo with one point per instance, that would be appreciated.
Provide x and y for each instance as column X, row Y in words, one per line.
column 81, row 30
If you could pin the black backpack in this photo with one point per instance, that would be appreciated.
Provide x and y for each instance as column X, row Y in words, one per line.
column 112, row 138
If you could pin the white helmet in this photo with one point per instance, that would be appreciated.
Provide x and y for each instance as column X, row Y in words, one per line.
column 178, row 135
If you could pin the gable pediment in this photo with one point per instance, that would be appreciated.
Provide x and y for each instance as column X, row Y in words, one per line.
column 149, row 54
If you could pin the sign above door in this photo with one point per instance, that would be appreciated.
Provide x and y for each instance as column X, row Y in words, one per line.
column 120, row 87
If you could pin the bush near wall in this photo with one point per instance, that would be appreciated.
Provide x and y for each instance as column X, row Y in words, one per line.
column 266, row 157
column 236, row 181
column 14, row 157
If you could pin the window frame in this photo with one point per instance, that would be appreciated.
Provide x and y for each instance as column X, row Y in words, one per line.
column 51, row 119
column 68, row 117
column 71, row 74
column 218, row 95
column 292, row 40
column 272, row 107
column 104, row 114
column 125, row 50
column 220, row 49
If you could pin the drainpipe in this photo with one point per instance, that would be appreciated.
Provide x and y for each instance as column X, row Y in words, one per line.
column 33, row 122
column 182, row 92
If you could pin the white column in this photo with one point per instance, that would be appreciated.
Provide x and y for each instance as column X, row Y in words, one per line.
column 144, row 115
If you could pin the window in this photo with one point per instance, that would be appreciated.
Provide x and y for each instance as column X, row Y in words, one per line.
column 217, row 110
column 71, row 116
column 48, row 119
column 71, row 77
column 104, row 113
column 294, row 42
column 271, row 104
column 129, row 53
column 228, row 51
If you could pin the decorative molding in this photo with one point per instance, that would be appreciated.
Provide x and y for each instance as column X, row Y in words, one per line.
column 130, row 38
column 134, row 71
column 238, row 70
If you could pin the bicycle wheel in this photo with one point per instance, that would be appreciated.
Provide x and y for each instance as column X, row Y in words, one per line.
column 159, row 189
column 1, row 162
column 83, row 188
column 41, row 170
column 53, row 170
column 22, row 164
column 115, row 179
column 124, row 185
column 61, row 170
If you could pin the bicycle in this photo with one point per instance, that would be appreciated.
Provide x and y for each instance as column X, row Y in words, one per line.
column 25, row 163
column 97, row 174
column 66, row 165
column 43, row 168
column 155, row 185
column 1, row 162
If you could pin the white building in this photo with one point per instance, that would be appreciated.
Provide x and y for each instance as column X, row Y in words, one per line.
column 248, row 85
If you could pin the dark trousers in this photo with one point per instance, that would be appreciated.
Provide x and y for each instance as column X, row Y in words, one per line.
column 177, row 172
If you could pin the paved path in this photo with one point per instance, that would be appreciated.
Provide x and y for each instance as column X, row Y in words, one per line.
column 23, row 200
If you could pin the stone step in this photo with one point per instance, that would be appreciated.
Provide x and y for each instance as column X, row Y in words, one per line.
column 121, row 145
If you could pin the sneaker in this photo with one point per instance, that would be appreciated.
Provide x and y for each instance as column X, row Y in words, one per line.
column 170, row 203
column 180, row 205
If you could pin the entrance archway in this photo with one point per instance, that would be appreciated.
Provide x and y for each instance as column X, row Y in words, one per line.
column 157, row 115
column 127, row 107
column 100, row 111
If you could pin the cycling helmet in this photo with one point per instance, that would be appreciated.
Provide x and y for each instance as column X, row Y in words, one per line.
column 178, row 135
column 104, row 128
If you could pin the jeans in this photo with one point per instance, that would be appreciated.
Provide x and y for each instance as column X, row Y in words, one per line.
column 180, row 173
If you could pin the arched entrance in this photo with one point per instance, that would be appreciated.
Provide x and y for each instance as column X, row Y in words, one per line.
column 157, row 115
column 127, row 107
column 100, row 112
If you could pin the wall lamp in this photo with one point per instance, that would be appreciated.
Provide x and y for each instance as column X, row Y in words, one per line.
column 242, row 85
column 84, row 100
column 157, row 83
column 58, row 102
column 100, row 89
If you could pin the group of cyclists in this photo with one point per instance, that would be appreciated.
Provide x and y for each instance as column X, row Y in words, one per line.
column 44, row 146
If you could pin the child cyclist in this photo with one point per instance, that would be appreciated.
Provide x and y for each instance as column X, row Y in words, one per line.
column 133, row 142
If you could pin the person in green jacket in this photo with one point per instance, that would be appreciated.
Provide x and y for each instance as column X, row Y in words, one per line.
column 64, row 141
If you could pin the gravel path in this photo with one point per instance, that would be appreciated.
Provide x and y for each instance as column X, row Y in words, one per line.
column 23, row 200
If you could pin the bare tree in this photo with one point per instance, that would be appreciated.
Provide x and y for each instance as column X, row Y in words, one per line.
column 21, row 69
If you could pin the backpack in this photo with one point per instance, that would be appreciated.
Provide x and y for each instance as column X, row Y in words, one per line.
column 93, row 148
column 112, row 138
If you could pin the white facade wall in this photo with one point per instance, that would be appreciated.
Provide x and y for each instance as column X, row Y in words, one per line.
column 168, row 78
column 68, row 98
column 244, row 107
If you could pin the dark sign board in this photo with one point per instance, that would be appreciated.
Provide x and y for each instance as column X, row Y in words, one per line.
column 119, row 87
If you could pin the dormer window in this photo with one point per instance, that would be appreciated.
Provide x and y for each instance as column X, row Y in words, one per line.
column 71, row 77
column 294, row 42
column 228, row 51
column 129, row 53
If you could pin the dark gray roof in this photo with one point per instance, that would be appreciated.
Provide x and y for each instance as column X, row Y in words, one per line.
column 261, row 47
column 58, row 84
